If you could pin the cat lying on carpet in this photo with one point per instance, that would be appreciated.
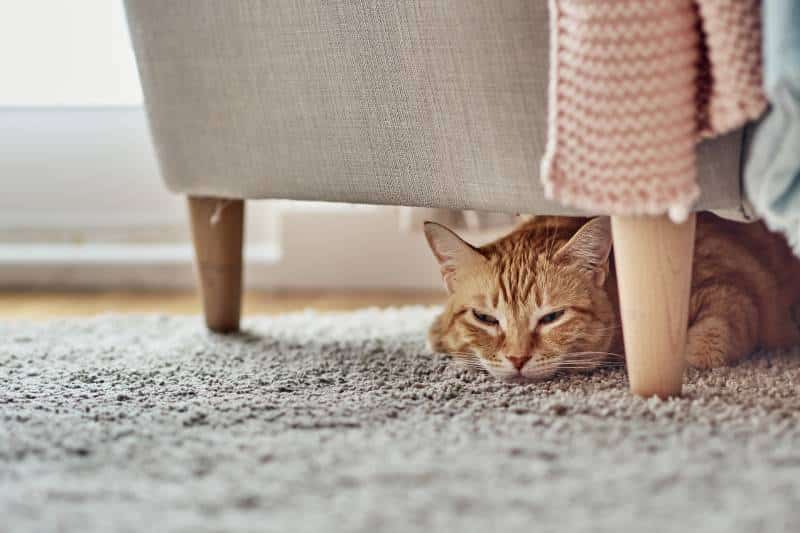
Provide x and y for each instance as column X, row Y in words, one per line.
column 543, row 299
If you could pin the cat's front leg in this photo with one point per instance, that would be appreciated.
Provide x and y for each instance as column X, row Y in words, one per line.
column 724, row 327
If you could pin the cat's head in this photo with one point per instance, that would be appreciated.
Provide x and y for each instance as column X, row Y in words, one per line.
column 530, row 304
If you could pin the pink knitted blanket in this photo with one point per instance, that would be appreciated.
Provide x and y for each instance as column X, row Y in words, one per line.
column 634, row 85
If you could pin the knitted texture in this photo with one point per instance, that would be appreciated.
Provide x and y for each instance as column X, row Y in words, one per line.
column 730, row 74
column 634, row 84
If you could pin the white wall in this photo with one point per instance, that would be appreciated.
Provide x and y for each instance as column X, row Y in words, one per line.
column 66, row 53
column 80, row 168
column 77, row 174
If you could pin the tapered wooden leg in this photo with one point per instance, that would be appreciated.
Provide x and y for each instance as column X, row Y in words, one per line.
column 653, row 257
column 217, row 232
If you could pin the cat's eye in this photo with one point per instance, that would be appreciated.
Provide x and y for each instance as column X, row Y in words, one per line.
column 549, row 318
column 486, row 319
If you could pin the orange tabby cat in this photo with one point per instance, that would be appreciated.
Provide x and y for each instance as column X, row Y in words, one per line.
column 544, row 298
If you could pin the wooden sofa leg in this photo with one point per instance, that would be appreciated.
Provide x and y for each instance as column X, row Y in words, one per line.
column 653, row 258
column 217, row 232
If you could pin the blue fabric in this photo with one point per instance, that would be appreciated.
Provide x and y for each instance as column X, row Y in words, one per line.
column 772, row 173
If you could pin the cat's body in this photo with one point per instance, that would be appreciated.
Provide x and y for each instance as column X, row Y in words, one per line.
column 544, row 297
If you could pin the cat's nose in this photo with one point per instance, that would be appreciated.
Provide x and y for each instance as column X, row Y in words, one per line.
column 518, row 360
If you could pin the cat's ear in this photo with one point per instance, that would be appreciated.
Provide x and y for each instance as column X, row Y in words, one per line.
column 453, row 253
column 589, row 248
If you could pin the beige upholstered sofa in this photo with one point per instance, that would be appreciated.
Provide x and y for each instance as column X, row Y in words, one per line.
column 405, row 102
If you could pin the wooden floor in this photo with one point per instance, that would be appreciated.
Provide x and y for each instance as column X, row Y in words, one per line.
column 41, row 305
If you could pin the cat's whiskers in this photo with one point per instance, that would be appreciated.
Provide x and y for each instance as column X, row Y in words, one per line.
column 559, row 364
column 590, row 362
column 461, row 355
column 550, row 366
column 578, row 360
column 607, row 328
column 606, row 354
column 467, row 359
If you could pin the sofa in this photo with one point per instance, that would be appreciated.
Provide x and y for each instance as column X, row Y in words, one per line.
column 398, row 102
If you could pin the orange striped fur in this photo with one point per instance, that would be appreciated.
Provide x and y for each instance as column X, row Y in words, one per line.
column 543, row 299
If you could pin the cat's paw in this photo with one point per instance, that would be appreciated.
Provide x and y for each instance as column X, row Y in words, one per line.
column 705, row 361
column 708, row 344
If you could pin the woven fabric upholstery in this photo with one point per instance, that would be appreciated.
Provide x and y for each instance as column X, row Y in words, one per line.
column 405, row 102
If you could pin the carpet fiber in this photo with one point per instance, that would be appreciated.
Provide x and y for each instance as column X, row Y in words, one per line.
column 345, row 422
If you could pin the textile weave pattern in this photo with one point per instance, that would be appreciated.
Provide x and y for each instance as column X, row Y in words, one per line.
column 634, row 85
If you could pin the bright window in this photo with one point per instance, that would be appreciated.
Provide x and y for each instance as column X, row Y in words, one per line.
column 66, row 53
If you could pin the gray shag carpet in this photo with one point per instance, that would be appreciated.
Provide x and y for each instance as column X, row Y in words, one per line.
column 345, row 422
